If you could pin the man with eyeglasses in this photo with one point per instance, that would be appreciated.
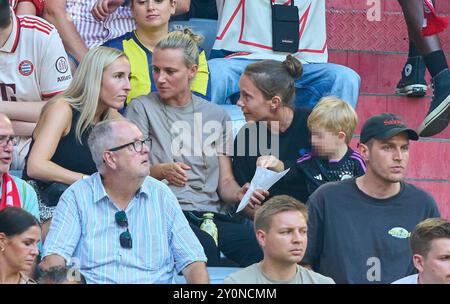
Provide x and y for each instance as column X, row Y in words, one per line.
column 120, row 225
column 14, row 191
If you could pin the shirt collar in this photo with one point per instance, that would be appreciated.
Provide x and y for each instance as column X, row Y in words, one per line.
column 13, row 39
column 100, row 192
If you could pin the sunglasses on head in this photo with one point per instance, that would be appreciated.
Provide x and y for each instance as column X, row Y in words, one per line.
column 125, row 237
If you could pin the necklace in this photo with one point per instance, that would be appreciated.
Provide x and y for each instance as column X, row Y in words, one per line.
column 169, row 123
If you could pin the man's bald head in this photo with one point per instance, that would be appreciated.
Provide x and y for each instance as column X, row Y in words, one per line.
column 5, row 121
column 6, row 150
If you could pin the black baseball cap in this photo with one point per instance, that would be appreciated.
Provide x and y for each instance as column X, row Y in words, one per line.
column 385, row 126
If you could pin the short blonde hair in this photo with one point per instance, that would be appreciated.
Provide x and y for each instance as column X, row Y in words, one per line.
column 185, row 40
column 275, row 205
column 334, row 115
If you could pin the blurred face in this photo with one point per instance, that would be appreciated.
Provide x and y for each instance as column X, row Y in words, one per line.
column 116, row 83
column 171, row 75
column 387, row 159
column 21, row 250
column 252, row 102
column 435, row 267
column 127, row 160
column 152, row 13
column 6, row 147
column 326, row 143
column 286, row 240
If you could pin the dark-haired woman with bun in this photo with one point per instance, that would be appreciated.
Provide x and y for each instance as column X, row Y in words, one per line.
column 20, row 234
column 267, row 91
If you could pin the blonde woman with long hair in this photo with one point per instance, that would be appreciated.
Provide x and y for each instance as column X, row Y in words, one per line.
column 59, row 155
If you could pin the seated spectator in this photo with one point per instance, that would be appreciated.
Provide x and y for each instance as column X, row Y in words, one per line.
column 20, row 194
column 90, row 23
column 62, row 275
column 28, row 7
column 140, row 43
column 331, row 123
column 423, row 27
column 198, row 173
column 140, row 228
column 243, row 42
column 267, row 92
column 430, row 244
column 358, row 228
column 34, row 68
column 281, row 230
column 19, row 237
column 59, row 155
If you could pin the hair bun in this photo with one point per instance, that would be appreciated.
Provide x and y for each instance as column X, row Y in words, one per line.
column 194, row 37
column 293, row 66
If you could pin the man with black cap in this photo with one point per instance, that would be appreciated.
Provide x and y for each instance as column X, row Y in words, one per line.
column 358, row 230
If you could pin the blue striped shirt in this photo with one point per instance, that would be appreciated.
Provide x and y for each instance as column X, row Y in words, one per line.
column 84, row 228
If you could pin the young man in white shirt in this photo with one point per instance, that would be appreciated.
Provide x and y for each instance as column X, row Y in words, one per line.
column 34, row 68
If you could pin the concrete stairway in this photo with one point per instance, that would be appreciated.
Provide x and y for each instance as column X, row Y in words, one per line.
column 377, row 50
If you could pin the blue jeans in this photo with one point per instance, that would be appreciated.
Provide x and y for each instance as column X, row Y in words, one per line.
column 318, row 80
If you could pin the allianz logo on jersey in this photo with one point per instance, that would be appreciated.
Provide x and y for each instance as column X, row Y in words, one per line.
column 399, row 232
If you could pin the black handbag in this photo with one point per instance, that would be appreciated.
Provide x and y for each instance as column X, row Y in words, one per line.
column 285, row 28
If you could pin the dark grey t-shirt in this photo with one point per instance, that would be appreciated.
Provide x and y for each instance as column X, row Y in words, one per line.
column 355, row 238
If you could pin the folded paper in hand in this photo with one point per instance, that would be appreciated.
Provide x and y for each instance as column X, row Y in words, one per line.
column 263, row 179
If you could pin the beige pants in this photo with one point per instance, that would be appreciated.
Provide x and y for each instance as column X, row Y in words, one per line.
column 20, row 152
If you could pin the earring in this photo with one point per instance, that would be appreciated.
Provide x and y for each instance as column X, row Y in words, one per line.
column 2, row 249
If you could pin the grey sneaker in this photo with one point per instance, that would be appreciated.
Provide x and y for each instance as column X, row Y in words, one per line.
column 413, row 82
column 439, row 113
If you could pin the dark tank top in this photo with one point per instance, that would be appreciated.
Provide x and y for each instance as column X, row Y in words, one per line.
column 69, row 153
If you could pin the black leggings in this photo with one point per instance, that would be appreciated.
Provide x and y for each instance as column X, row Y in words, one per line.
column 237, row 240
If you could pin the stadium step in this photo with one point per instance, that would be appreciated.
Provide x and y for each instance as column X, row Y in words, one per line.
column 379, row 71
column 377, row 50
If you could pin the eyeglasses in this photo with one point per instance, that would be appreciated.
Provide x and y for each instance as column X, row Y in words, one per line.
column 138, row 145
column 6, row 139
column 125, row 237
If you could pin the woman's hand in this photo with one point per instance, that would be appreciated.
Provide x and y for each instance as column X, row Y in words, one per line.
column 255, row 201
column 270, row 162
column 175, row 173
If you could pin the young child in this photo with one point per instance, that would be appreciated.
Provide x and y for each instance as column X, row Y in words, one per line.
column 331, row 123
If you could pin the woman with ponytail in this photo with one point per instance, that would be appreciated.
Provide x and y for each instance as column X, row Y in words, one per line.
column 152, row 24
column 276, row 134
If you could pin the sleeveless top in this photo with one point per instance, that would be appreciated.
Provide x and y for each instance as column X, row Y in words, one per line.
column 69, row 153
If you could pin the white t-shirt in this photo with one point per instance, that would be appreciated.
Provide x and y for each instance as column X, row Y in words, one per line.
column 246, row 26
column 412, row 279
column 33, row 61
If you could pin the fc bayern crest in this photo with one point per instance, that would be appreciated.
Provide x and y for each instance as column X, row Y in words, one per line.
column 26, row 68
column 61, row 65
